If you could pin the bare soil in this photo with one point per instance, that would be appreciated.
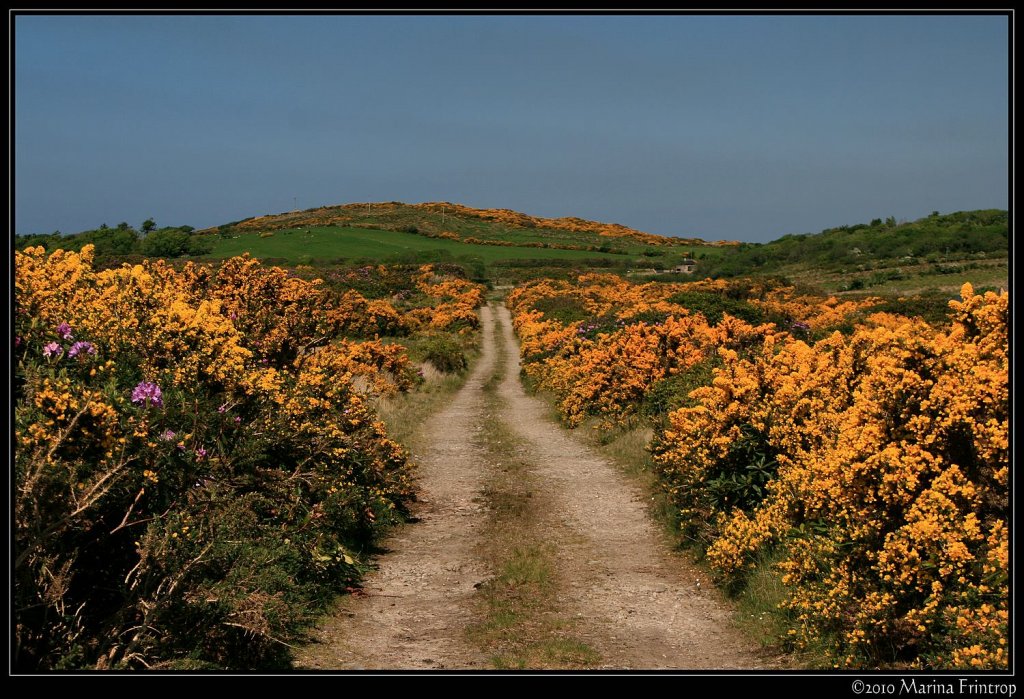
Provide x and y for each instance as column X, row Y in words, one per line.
column 631, row 599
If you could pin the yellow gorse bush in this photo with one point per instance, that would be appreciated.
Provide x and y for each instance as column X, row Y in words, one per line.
column 453, row 303
column 873, row 465
column 605, row 368
column 890, row 503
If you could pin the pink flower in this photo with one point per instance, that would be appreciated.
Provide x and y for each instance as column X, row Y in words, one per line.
column 52, row 349
column 80, row 347
column 200, row 454
column 148, row 393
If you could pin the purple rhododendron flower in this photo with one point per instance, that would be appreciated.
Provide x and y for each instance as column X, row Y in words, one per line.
column 148, row 393
column 168, row 435
column 64, row 330
column 200, row 454
column 80, row 347
column 52, row 349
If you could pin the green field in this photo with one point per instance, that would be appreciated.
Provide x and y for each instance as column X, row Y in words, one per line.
column 299, row 245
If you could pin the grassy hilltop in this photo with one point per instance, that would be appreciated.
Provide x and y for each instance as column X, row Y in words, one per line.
column 393, row 231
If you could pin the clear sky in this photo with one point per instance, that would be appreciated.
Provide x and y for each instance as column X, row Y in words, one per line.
column 724, row 127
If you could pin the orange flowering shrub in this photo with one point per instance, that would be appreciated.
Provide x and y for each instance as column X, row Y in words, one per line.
column 356, row 316
column 809, row 310
column 602, row 344
column 197, row 464
column 282, row 315
column 452, row 302
column 886, row 495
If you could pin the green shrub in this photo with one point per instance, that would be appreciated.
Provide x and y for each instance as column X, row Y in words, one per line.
column 673, row 392
column 445, row 353
column 563, row 308
column 713, row 306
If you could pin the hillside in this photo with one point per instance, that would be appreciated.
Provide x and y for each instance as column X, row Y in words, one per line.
column 937, row 251
column 478, row 226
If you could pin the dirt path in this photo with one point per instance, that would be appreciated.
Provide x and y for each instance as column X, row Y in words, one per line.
column 630, row 599
column 419, row 602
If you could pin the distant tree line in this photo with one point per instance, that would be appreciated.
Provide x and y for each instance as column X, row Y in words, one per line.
column 931, row 239
column 124, row 241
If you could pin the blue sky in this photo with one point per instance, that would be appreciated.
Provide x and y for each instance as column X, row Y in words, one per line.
column 724, row 127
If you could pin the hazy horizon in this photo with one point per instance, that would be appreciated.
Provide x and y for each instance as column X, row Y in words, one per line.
column 725, row 127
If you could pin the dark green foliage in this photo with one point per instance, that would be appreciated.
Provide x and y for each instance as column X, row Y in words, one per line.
column 673, row 392
column 598, row 326
column 50, row 241
column 563, row 308
column 738, row 480
column 372, row 281
column 174, row 242
column 116, row 245
column 109, row 242
column 671, row 277
column 576, row 265
column 445, row 352
column 165, row 243
column 932, row 308
column 252, row 554
column 713, row 306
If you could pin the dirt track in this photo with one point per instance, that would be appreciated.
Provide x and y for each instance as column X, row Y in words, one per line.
column 634, row 602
